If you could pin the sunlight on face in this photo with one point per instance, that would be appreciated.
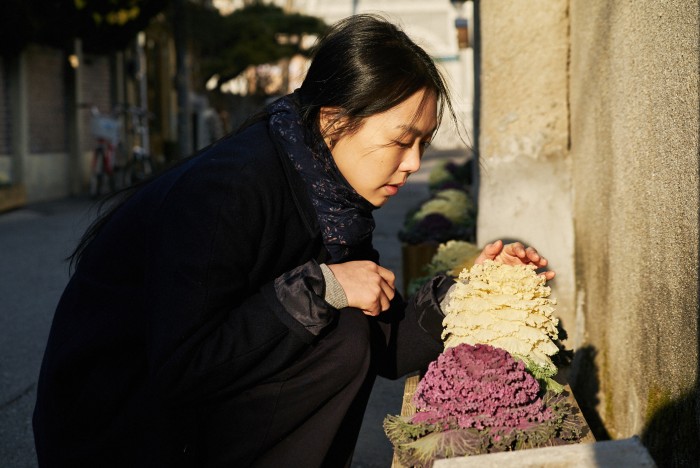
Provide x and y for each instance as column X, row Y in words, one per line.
column 379, row 156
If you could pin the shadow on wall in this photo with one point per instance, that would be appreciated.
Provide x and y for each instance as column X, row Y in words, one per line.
column 586, row 387
column 672, row 430
column 671, row 433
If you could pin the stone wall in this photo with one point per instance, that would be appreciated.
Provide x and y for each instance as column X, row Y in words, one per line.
column 634, row 145
column 589, row 149
column 525, row 181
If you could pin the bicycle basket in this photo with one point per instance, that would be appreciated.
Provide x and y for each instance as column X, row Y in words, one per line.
column 105, row 127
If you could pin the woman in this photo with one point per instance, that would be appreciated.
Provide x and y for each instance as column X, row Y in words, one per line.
column 232, row 311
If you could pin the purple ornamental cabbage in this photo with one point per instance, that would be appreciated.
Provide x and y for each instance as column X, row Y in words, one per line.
column 435, row 227
column 479, row 387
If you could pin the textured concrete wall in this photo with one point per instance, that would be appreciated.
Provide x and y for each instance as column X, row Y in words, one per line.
column 634, row 145
column 525, row 188
column 589, row 129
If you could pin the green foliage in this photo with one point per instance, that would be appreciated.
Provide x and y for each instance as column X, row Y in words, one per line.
column 227, row 45
column 543, row 374
column 103, row 25
column 418, row 444
column 400, row 429
column 107, row 25
column 17, row 26
column 447, row 444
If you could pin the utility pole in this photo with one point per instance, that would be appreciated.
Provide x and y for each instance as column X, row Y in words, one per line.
column 182, row 79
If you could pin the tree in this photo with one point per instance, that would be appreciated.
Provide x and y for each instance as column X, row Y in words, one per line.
column 103, row 25
column 17, row 26
column 256, row 34
column 107, row 25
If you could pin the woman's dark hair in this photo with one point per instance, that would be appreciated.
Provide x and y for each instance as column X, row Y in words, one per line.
column 362, row 66
column 365, row 65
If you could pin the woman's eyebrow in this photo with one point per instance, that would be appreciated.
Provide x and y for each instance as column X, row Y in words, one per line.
column 415, row 131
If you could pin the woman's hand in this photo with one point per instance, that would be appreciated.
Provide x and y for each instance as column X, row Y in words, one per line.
column 514, row 254
column 367, row 286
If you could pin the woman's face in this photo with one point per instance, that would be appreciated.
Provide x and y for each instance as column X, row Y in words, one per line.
column 377, row 158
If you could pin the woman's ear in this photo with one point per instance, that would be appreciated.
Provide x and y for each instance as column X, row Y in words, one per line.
column 330, row 124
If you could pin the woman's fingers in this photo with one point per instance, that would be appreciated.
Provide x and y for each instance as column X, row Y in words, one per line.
column 382, row 304
column 514, row 253
column 367, row 286
column 518, row 250
column 548, row 274
column 490, row 252
column 388, row 276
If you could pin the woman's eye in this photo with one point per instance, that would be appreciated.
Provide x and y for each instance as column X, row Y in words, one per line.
column 409, row 145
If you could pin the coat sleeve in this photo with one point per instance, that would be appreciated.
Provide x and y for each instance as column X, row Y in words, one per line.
column 412, row 330
column 216, row 277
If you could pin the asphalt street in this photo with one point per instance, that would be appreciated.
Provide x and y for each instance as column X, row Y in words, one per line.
column 35, row 240
column 33, row 243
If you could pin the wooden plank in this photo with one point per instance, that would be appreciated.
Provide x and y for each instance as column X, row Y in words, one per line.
column 407, row 407
column 589, row 437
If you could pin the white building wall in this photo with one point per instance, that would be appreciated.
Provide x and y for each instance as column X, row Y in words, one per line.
column 431, row 24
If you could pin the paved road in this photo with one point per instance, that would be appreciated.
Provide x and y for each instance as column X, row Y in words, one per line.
column 33, row 243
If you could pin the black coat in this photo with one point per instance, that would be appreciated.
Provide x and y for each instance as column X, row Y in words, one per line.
column 176, row 304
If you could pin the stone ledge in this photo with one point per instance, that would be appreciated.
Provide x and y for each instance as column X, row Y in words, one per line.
column 604, row 454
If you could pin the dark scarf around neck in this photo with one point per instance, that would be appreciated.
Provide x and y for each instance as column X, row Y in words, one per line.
column 345, row 216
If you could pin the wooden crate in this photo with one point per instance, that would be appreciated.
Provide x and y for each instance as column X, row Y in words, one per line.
column 414, row 258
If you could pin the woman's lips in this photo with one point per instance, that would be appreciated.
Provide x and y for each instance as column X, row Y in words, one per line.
column 393, row 189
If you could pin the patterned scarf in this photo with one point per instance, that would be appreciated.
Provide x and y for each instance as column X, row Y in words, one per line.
column 345, row 216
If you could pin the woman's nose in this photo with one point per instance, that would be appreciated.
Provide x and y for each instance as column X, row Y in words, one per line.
column 411, row 162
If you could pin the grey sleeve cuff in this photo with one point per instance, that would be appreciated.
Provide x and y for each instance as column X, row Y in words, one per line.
column 334, row 294
column 300, row 292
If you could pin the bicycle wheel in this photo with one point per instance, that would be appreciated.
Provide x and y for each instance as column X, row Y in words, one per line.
column 138, row 169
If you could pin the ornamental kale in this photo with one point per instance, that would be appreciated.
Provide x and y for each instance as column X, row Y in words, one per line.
column 506, row 306
column 475, row 400
column 479, row 386
column 451, row 258
column 450, row 174
column 434, row 227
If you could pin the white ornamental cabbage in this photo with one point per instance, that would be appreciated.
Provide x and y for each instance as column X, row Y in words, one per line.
column 504, row 306
column 453, row 204
column 452, row 257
